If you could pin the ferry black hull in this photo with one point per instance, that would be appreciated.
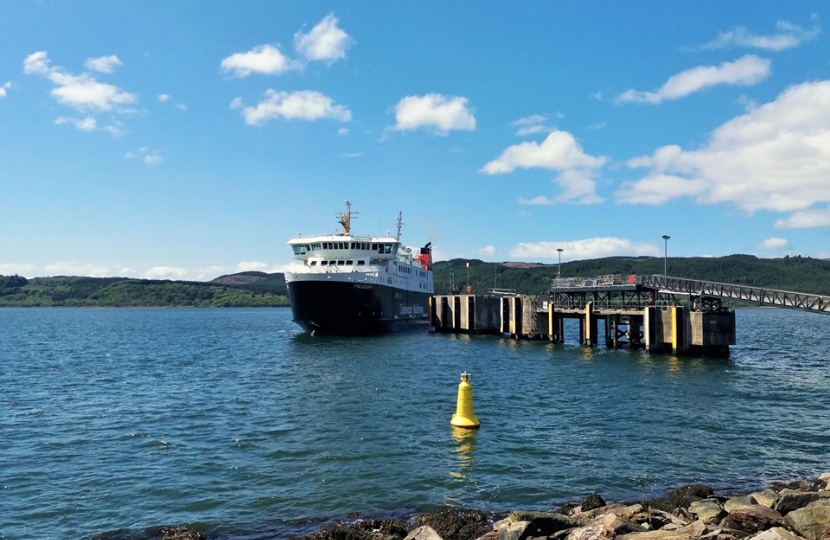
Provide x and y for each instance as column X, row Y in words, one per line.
column 355, row 309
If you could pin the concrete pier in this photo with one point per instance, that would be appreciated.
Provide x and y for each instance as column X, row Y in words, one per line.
column 666, row 328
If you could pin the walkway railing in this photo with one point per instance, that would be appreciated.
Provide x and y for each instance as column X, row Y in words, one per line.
column 607, row 288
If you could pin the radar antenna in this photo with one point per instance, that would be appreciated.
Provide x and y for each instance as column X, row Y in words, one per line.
column 398, row 234
column 345, row 219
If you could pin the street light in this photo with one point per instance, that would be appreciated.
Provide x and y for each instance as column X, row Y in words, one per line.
column 666, row 256
column 559, row 270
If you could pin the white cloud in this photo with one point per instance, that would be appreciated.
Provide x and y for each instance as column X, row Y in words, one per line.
column 590, row 248
column 87, row 124
column 103, row 64
column 236, row 103
column 181, row 107
column 559, row 152
column 26, row 270
column 487, row 251
column 164, row 97
column 658, row 189
column 531, row 125
column 343, row 131
column 326, row 41
column 745, row 71
column 74, row 268
column 541, row 200
column 775, row 244
column 207, row 273
column 351, row 155
column 82, row 92
column 263, row 59
column 166, row 272
column 304, row 105
column 4, row 89
column 252, row 266
column 146, row 155
column 788, row 35
column 805, row 219
column 434, row 112
column 773, row 157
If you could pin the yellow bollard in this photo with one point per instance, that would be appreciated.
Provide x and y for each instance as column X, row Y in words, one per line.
column 464, row 416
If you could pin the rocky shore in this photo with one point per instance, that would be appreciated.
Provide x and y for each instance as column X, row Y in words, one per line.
column 795, row 511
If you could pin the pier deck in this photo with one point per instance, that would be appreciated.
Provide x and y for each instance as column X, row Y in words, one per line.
column 634, row 312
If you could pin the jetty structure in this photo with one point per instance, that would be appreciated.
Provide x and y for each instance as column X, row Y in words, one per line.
column 653, row 312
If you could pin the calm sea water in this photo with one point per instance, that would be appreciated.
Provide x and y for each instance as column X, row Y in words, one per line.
column 127, row 418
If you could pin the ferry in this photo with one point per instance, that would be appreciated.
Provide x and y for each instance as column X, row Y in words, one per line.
column 358, row 285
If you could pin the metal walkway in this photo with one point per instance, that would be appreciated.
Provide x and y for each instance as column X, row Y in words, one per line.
column 704, row 295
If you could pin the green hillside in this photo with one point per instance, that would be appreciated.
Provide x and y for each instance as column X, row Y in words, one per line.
column 249, row 289
column 800, row 274
column 123, row 292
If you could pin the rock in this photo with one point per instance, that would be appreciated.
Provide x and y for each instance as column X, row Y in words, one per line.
column 739, row 502
column 812, row 521
column 776, row 533
column 455, row 524
column 790, row 499
column 707, row 510
column 682, row 497
column 824, row 478
column 695, row 529
column 766, row 497
column 566, row 509
column 592, row 532
column 621, row 510
column 364, row 529
column 424, row 532
column 620, row 525
column 174, row 532
column 591, row 502
column 491, row 535
column 545, row 523
column 512, row 530
column 798, row 485
column 755, row 518
column 656, row 535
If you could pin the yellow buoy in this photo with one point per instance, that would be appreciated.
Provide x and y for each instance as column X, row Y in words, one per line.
column 464, row 416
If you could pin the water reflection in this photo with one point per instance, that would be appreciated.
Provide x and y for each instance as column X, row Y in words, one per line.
column 465, row 440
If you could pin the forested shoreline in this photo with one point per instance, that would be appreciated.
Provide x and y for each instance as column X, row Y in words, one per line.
column 260, row 289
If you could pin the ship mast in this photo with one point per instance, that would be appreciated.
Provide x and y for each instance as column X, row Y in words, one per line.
column 398, row 234
column 345, row 219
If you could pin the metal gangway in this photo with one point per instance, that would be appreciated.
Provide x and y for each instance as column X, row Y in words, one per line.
column 705, row 295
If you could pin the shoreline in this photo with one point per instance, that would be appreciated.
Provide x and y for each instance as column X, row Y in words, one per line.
column 798, row 510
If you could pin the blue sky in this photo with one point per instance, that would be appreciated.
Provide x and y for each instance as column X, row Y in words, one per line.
column 188, row 139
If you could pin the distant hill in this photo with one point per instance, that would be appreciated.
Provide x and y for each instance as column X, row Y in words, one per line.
column 125, row 292
column 241, row 278
column 800, row 274
column 259, row 282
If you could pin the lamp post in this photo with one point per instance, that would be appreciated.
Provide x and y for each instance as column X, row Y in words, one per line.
column 666, row 255
column 559, row 270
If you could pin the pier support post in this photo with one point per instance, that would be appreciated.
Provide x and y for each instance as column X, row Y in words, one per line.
column 590, row 325
column 679, row 336
column 551, row 333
